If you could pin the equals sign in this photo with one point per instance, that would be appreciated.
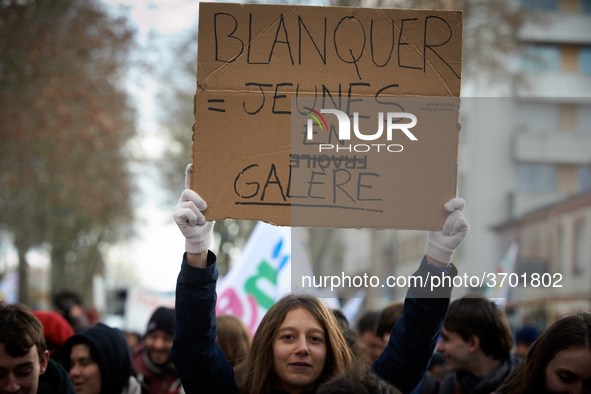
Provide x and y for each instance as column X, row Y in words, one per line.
column 216, row 101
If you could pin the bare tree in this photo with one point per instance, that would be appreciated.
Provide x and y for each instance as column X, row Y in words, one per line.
column 64, row 123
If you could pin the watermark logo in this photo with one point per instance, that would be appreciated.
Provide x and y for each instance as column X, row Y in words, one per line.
column 344, row 129
column 315, row 115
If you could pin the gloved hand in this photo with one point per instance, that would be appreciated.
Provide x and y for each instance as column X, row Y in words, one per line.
column 188, row 215
column 441, row 245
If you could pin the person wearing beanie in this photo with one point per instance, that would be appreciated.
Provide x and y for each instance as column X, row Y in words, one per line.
column 68, row 304
column 57, row 330
column 524, row 338
column 99, row 362
column 151, row 360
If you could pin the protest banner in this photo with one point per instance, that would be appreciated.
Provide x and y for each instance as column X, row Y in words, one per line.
column 265, row 71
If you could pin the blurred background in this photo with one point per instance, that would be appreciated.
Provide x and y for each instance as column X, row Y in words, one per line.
column 95, row 134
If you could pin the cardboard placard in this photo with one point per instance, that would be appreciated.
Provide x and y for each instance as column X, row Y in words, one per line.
column 263, row 68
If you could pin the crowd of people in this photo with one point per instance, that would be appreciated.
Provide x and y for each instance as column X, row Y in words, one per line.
column 424, row 344
column 42, row 352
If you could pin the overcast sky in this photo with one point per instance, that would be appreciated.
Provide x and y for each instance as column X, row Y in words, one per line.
column 157, row 251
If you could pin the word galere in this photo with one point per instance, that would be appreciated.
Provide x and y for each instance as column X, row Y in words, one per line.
column 339, row 187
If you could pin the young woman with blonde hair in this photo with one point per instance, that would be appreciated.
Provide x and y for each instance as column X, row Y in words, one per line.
column 299, row 344
column 279, row 359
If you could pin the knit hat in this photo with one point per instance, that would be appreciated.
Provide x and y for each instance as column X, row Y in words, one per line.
column 527, row 334
column 55, row 328
column 109, row 349
column 162, row 319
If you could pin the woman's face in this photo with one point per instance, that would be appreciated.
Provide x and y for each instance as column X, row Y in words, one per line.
column 299, row 351
column 569, row 371
column 84, row 371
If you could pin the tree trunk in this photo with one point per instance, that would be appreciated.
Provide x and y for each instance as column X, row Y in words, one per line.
column 23, row 275
column 59, row 278
column 89, row 268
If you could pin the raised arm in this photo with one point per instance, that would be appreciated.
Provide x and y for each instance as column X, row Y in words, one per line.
column 198, row 358
column 405, row 359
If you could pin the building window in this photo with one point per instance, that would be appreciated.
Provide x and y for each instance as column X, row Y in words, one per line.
column 585, row 59
column 540, row 5
column 584, row 177
column 538, row 117
column 540, row 58
column 579, row 247
column 533, row 177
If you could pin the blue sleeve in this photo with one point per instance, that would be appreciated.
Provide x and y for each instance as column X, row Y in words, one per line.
column 198, row 358
column 406, row 358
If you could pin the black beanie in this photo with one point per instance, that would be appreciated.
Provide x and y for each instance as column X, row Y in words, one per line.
column 109, row 350
column 162, row 319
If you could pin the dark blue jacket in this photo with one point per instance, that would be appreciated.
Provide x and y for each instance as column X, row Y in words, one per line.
column 203, row 368
column 414, row 337
column 55, row 380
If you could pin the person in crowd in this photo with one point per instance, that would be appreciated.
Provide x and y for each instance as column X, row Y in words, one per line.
column 476, row 342
column 134, row 339
column 371, row 344
column 347, row 331
column 298, row 344
column 559, row 361
column 233, row 337
column 524, row 338
column 151, row 360
column 56, row 330
column 388, row 318
column 68, row 304
column 99, row 362
column 25, row 366
column 431, row 382
column 438, row 366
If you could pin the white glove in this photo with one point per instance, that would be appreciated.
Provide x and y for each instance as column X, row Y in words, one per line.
column 188, row 215
column 441, row 245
